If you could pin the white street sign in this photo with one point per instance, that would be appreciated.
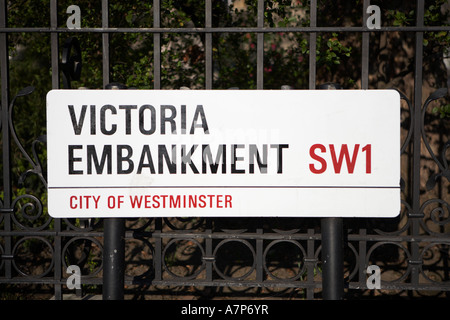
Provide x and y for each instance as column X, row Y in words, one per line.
column 223, row 153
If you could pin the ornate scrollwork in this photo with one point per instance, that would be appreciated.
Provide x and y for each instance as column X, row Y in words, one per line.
column 183, row 258
column 442, row 163
column 408, row 128
column 285, row 263
column 403, row 123
column 85, row 252
column 28, row 208
column 394, row 261
column 29, row 213
column 443, row 166
column 235, row 259
column 437, row 212
column 33, row 257
column 35, row 163
column 435, row 258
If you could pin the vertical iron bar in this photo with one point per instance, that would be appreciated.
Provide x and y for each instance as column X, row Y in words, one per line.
column 105, row 43
column 362, row 257
column 114, row 259
column 54, row 43
column 365, row 49
column 259, row 252
column 332, row 258
column 312, row 45
column 54, row 39
column 415, row 223
column 312, row 86
column 208, row 46
column 6, row 157
column 310, row 253
column 364, row 86
column 157, row 260
column 58, row 259
column 156, row 45
column 209, row 250
column 260, row 47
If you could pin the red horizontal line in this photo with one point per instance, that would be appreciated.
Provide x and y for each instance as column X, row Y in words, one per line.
column 228, row 187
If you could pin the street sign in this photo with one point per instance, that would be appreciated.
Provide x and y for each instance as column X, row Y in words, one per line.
column 223, row 153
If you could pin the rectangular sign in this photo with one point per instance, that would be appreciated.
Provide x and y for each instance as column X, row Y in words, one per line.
column 223, row 153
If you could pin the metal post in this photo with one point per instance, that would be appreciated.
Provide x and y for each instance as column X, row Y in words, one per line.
column 114, row 259
column 114, row 249
column 332, row 247
column 332, row 259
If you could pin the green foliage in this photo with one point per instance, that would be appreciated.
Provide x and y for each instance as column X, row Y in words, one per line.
column 443, row 111
column 400, row 18
column 182, row 55
column 435, row 15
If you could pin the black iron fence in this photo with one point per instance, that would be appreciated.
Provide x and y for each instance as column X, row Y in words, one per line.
column 248, row 256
